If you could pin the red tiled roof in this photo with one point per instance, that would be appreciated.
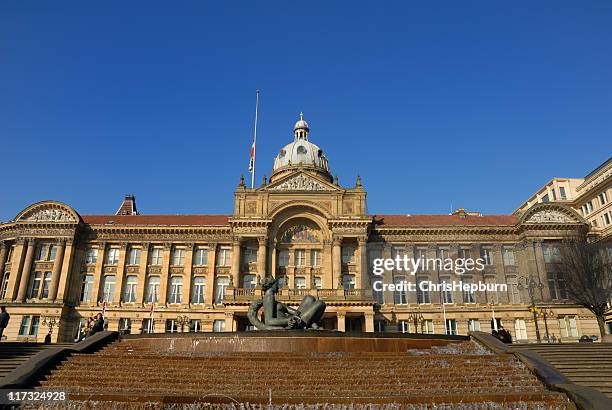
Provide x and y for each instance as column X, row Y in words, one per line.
column 173, row 220
column 444, row 220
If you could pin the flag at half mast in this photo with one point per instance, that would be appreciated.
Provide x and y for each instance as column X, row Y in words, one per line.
column 253, row 147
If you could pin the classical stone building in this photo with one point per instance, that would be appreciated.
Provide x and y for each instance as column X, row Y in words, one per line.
column 167, row 273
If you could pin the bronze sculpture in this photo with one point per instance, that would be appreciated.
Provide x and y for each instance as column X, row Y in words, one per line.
column 278, row 316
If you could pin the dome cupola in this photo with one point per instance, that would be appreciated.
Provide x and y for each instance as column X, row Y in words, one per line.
column 301, row 153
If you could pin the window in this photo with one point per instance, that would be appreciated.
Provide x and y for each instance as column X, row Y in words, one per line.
column 603, row 198
column 171, row 326
column 348, row 281
column 46, row 285
column 399, row 296
column 348, row 254
column 468, row 295
column 41, row 252
column 474, row 325
column 112, row 256
column 108, row 288
column 606, row 219
column 148, row 326
column 199, row 290
column 562, row 193
column 195, row 325
column 300, row 282
column 156, row 256
column 447, row 295
column 178, row 257
column 219, row 325
column 372, row 255
column 86, row 288
column 404, row 326
column 249, row 281
column 224, row 257
column 129, row 292
column 514, row 294
column 222, row 284
column 545, row 198
column 35, row 281
column 451, row 327
column 442, row 253
column 556, row 286
column 520, row 329
column 201, row 257
column 315, row 258
column 427, row 327
column 508, row 256
column 5, row 282
column 134, row 256
column 379, row 296
column 91, row 256
column 283, row 281
column 176, row 289
column 554, row 194
column 249, row 255
column 125, row 325
column 52, row 252
column 153, row 289
column 465, row 253
column 300, row 257
column 283, row 258
column 568, row 326
column 423, row 295
column 379, row 325
column 487, row 255
column 318, row 282
column 551, row 253
column 589, row 207
column 9, row 255
column 29, row 326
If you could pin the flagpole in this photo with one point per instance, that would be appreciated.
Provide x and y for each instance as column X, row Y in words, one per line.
column 255, row 139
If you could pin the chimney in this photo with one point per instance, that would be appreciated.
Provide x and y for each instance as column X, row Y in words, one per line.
column 128, row 206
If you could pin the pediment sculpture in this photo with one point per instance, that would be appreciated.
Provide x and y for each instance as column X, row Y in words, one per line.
column 50, row 215
column 550, row 216
column 301, row 183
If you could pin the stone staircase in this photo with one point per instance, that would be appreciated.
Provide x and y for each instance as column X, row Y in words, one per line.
column 585, row 364
column 13, row 354
column 462, row 375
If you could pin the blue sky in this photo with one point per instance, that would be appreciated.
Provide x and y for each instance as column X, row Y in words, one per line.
column 475, row 104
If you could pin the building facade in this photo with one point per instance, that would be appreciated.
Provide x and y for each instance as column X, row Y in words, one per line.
column 167, row 273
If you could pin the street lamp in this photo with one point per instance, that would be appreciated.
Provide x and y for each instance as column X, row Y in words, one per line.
column 546, row 314
column 50, row 322
column 530, row 284
column 182, row 321
column 416, row 318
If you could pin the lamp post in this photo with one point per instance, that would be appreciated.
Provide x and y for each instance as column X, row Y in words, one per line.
column 546, row 314
column 416, row 317
column 530, row 284
column 182, row 321
column 50, row 322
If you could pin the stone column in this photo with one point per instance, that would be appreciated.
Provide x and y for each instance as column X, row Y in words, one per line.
column 97, row 283
column 363, row 277
column 336, row 262
column 15, row 269
column 261, row 256
column 3, row 253
column 25, row 272
column 369, row 322
column 119, row 274
column 186, row 296
column 165, row 273
column 235, row 272
column 341, row 321
column 57, row 269
column 229, row 322
column 387, row 276
column 142, row 274
column 273, row 262
column 210, row 280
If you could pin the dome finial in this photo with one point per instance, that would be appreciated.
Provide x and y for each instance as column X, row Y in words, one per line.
column 301, row 115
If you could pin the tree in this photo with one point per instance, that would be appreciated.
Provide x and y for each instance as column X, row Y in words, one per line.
column 587, row 270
